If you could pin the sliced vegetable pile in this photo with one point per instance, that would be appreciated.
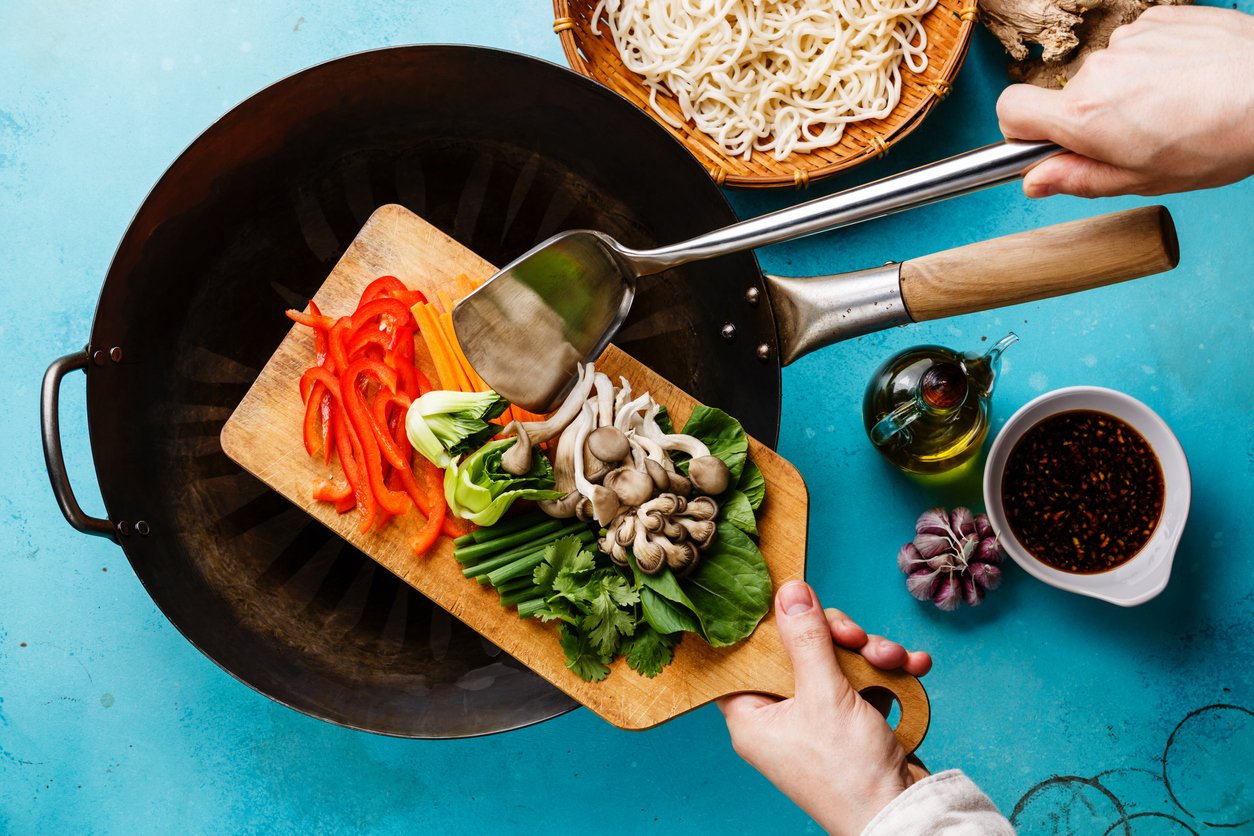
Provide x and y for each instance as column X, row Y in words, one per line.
column 356, row 397
column 673, row 552
column 641, row 534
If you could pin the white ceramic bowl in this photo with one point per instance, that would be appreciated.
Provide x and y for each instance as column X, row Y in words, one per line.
column 1146, row 574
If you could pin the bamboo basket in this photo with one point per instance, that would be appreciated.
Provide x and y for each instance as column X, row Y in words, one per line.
column 948, row 27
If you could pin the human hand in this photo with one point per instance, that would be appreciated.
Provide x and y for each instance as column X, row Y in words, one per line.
column 1168, row 106
column 826, row 748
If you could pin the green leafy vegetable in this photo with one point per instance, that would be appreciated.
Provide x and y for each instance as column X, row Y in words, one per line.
column 752, row 484
column 480, row 490
column 731, row 587
column 736, row 509
column 596, row 605
column 443, row 425
column 649, row 651
column 580, row 657
column 722, row 434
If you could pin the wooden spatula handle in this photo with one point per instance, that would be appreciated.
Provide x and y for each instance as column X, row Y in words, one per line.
column 916, row 712
column 1040, row 263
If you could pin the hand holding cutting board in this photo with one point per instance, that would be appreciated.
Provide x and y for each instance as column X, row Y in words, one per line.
column 826, row 749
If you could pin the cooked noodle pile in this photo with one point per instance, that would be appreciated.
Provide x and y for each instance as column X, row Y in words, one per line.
column 772, row 75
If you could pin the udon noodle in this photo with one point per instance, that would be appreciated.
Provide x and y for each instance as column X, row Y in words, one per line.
column 775, row 75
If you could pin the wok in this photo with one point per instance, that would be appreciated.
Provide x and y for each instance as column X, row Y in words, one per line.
column 498, row 150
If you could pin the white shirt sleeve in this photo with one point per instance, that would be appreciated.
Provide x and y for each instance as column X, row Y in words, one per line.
column 945, row 804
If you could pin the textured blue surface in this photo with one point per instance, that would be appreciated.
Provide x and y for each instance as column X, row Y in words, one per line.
column 1058, row 705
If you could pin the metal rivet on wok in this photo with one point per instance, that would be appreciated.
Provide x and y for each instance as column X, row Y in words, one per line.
column 142, row 528
column 753, row 295
column 98, row 357
column 764, row 352
column 729, row 332
column 124, row 528
column 115, row 354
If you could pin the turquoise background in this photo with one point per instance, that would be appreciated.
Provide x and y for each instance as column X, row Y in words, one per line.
column 1059, row 706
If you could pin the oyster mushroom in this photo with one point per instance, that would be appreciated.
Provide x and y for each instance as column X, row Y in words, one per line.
column 632, row 486
column 709, row 474
column 561, row 508
column 702, row 508
column 700, row 532
column 537, row 432
column 681, row 557
column 609, row 444
column 650, row 556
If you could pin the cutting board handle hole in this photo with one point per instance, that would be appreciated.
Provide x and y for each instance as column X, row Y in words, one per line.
column 885, row 703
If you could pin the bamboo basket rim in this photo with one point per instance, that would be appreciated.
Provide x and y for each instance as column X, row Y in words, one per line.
column 799, row 169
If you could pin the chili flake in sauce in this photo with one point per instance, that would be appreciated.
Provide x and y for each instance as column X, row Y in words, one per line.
column 1083, row 491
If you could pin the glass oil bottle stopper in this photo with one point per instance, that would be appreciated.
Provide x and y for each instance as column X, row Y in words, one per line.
column 926, row 409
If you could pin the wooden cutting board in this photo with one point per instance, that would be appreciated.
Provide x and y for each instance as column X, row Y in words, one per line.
column 263, row 436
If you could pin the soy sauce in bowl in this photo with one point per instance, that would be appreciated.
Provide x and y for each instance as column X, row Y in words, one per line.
column 1082, row 491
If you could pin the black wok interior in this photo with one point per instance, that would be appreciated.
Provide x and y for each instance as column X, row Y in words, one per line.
column 499, row 151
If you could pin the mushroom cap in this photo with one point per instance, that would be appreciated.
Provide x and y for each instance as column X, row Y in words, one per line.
column 682, row 557
column 605, row 504
column 624, row 529
column 672, row 530
column 650, row 557
column 633, row 487
column 594, row 467
column 517, row 459
column 658, row 474
column 664, row 504
column 651, row 520
column 700, row 531
column 583, row 509
column 702, row 508
column 709, row 474
column 609, row 444
column 678, row 483
column 563, row 508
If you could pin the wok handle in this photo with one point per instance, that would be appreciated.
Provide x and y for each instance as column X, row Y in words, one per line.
column 1040, row 263
column 54, row 460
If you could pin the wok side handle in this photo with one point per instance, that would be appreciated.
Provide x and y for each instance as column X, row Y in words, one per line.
column 54, row 460
column 1056, row 260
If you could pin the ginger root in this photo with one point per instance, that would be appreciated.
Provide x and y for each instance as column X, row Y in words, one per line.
column 1065, row 30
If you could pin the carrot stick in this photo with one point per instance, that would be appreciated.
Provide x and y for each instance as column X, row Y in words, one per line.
column 446, row 301
column 430, row 330
column 472, row 377
column 464, row 286
column 444, row 327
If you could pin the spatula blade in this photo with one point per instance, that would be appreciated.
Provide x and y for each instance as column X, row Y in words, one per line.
column 527, row 328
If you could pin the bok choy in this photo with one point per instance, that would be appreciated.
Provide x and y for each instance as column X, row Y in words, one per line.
column 443, row 425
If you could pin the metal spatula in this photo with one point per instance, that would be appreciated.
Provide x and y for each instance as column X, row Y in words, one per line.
column 527, row 328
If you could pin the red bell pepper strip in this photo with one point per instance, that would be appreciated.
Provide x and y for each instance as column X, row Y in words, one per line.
column 391, row 313
column 313, row 406
column 332, row 490
column 390, row 286
column 365, row 338
column 430, row 531
column 368, row 435
column 382, row 286
column 348, row 448
column 338, row 343
column 313, row 319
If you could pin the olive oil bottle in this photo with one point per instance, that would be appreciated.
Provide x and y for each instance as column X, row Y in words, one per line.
column 926, row 409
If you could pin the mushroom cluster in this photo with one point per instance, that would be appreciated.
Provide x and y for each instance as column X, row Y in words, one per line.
column 668, row 530
column 613, row 464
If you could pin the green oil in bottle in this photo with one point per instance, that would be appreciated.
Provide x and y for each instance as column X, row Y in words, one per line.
column 926, row 409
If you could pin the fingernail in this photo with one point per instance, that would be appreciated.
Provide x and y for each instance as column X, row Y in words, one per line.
column 1037, row 190
column 795, row 598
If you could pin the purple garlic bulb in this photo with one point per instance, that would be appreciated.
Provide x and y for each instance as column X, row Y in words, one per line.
column 954, row 557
